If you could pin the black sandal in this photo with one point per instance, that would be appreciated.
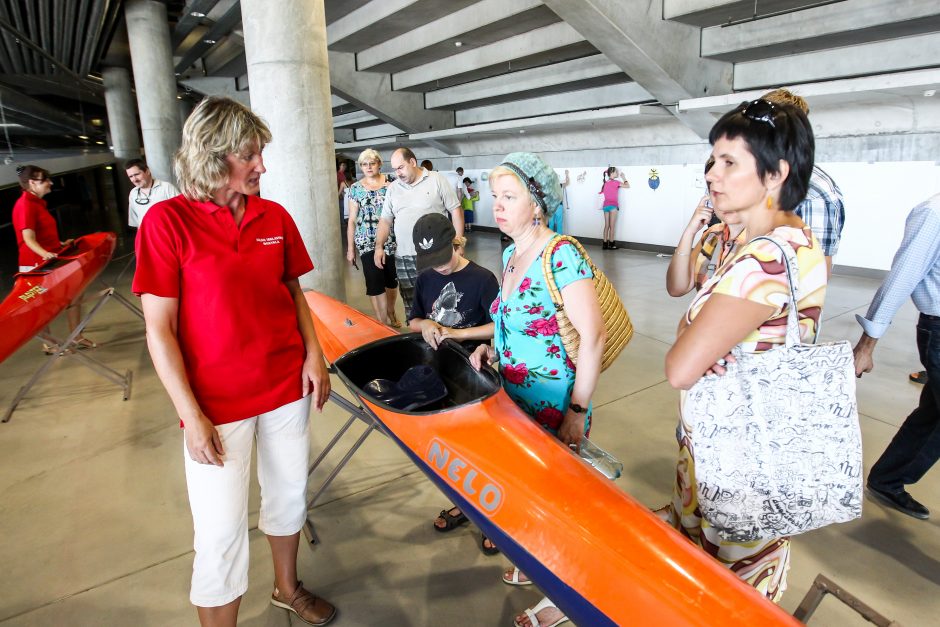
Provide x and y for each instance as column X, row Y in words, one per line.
column 918, row 377
column 487, row 550
column 451, row 521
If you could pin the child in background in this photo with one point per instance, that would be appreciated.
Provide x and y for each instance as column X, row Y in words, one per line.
column 470, row 197
column 613, row 182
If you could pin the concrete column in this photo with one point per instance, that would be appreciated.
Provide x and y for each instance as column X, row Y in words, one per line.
column 289, row 79
column 155, row 82
column 185, row 106
column 122, row 117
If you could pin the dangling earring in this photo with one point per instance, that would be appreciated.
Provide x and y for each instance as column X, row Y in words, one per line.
column 536, row 220
column 770, row 202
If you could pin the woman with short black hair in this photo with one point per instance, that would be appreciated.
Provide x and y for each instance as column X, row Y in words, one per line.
column 763, row 160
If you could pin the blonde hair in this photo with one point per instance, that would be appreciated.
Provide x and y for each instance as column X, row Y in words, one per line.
column 785, row 96
column 369, row 154
column 217, row 127
column 500, row 171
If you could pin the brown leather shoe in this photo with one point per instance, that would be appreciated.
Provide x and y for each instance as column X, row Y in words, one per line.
column 310, row 608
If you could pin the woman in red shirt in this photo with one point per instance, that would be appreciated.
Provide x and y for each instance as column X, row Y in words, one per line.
column 233, row 343
column 37, row 235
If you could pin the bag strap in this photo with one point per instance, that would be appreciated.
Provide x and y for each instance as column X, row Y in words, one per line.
column 792, row 270
column 548, row 268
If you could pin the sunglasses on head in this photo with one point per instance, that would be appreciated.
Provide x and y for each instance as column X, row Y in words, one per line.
column 760, row 110
column 42, row 179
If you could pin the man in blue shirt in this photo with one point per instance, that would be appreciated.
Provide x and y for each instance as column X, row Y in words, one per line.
column 915, row 273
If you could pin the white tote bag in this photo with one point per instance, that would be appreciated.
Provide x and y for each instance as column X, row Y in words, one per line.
column 776, row 439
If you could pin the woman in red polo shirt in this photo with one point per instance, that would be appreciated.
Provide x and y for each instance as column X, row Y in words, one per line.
column 232, row 340
column 37, row 234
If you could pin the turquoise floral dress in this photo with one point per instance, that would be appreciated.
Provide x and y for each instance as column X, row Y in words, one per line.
column 536, row 371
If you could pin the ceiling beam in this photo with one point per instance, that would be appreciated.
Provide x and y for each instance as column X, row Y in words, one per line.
column 482, row 15
column 373, row 93
column 540, row 80
column 501, row 53
column 661, row 56
column 712, row 12
column 827, row 26
column 881, row 57
column 579, row 100
column 220, row 29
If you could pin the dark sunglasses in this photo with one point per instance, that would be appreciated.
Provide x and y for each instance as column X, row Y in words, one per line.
column 760, row 110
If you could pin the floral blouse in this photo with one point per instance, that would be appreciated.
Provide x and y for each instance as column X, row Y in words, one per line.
column 367, row 219
column 538, row 375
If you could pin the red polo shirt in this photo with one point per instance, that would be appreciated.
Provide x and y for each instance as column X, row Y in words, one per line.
column 237, row 330
column 30, row 212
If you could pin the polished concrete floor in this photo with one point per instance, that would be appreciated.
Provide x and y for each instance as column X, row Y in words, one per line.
column 96, row 529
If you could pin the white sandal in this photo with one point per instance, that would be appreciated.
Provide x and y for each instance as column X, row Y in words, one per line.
column 513, row 580
column 534, row 620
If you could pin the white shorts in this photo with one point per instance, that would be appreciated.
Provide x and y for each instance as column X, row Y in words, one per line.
column 218, row 497
column 26, row 268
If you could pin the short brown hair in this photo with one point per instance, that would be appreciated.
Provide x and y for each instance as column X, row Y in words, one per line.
column 217, row 127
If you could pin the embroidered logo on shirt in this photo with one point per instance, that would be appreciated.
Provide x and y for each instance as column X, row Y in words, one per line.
column 426, row 243
column 270, row 241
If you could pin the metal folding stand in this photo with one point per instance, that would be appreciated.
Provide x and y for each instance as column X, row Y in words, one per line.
column 131, row 258
column 822, row 586
column 356, row 412
column 69, row 348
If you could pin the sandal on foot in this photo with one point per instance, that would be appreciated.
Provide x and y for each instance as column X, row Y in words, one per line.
column 451, row 521
column 918, row 377
column 488, row 550
column 514, row 578
column 308, row 607
column 393, row 321
column 531, row 612
column 83, row 343
column 50, row 350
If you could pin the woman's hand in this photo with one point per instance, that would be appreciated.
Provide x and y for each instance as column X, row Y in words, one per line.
column 700, row 217
column 718, row 368
column 47, row 255
column 202, row 441
column 350, row 256
column 484, row 353
column 432, row 333
column 315, row 375
column 571, row 430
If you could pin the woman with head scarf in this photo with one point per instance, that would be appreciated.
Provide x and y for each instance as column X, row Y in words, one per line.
column 537, row 372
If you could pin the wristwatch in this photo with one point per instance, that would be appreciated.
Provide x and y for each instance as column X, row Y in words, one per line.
column 578, row 409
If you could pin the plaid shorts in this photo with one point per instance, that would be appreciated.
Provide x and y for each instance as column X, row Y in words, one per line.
column 407, row 272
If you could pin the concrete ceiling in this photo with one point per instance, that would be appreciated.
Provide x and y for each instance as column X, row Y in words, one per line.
column 485, row 66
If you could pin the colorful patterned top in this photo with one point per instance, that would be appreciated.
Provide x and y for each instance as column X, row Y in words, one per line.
column 370, row 203
column 758, row 273
column 536, row 370
column 716, row 239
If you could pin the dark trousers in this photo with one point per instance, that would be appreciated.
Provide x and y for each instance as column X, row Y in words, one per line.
column 916, row 446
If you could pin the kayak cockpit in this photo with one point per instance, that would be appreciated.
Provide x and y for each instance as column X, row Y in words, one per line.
column 389, row 359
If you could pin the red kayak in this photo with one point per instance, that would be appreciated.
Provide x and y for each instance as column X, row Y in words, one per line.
column 41, row 294
column 603, row 557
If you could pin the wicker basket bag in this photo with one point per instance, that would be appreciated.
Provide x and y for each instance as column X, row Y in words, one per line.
column 616, row 319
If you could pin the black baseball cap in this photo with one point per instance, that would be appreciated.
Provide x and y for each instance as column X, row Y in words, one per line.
column 433, row 237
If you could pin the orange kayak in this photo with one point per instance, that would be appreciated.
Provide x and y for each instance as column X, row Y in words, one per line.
column 41, row 294
column 601, row 556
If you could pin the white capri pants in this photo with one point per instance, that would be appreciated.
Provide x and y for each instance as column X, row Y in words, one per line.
column 218, row 497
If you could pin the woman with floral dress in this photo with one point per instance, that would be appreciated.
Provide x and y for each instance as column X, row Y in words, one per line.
column 536, row 370
column 366, row 197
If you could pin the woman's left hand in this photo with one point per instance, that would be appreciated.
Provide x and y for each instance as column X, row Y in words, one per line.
column 571, row 430
column 315, row 375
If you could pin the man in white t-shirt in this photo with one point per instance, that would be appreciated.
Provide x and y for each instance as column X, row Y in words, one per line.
column 147, row 191
column 414, row 193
